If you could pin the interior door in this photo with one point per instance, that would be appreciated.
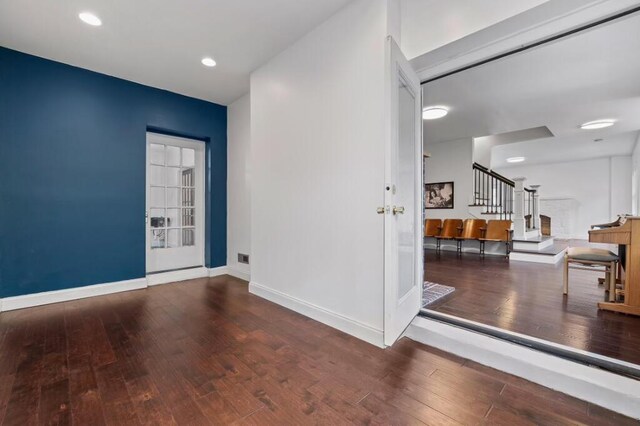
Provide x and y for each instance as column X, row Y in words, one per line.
column 403, row 198
column 175, row 203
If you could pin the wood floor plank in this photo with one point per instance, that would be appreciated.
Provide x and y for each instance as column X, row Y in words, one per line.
column 24, row 401
column 54, row 403
column 84, row 397
column 527, row 298
column 118, row 408
column 148, row 403
column 208, row 352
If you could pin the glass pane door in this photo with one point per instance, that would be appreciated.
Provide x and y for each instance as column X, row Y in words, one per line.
column 174, row 202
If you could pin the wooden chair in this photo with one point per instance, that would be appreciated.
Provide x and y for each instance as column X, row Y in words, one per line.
column 587, row 258
column 471, row 230
column 451, row 229
column 545, row 225
column 496, row 231
column 432, row 227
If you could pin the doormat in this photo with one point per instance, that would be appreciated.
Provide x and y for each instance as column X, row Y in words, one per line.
column 432, row 292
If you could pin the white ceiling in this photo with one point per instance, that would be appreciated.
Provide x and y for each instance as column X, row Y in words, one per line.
column 588, row 76
column 160, row 42
column 554, row 150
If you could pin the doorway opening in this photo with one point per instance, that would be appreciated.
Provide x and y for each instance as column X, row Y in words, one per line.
column 532, row 169
column 175, row 207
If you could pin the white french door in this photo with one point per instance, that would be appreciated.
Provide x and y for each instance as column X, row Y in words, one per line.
column 175, row 203
column 403, row 198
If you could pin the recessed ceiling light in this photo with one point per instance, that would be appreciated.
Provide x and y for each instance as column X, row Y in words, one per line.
column 515, row 159
column 434, row 112
column 598, row 124
column 90, row 18
column 208, row 62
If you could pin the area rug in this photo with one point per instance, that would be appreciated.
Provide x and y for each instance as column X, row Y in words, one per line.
column 432, row 292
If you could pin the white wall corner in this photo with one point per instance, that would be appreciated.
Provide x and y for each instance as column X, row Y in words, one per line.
column 394, row 20
column 57, row 296
column 217, row 271
column 238, row 272
column 239, row 185
column 232, row 270
column 320, row 314
column 609, row 390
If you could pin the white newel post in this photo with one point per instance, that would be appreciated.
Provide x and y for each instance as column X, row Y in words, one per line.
column 519, row 224
column 535, row 214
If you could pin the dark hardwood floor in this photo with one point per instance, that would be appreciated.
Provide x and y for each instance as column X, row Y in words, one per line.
column 527, row 298
column 208, row 352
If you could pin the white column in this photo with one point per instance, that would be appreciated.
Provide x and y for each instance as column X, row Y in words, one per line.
column 519, row 224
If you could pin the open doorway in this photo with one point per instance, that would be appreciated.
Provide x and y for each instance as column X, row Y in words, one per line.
column 535, row 162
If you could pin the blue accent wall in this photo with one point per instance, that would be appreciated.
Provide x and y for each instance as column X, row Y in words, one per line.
column 72, row 173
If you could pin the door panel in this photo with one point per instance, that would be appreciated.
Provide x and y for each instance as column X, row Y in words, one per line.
column 405, row 188
column 403, row 197
column 175, row 203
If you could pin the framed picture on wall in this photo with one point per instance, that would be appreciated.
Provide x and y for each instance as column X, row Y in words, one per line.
column 438, row 195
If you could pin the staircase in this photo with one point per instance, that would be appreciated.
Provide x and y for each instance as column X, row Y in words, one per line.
column 497, row 197
column 492, row 194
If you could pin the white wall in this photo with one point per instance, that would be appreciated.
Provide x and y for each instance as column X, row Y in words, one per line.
column 429, row 24
column 482, row 151
column 239, row 183
column 317, row 136
column 621, row 192
column 601, row 187
column 635, row 179
column 451, row 161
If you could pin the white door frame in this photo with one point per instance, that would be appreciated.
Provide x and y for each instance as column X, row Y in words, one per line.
column 200, row 204
column 399, row 311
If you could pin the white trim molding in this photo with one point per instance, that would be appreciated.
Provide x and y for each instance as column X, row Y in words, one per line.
column 541, row 22
column 229, row 270
column 237, row 273
column 325, row 316
column 179, row 275
column 65, row 295
column 56, row 296
column 609, row 390
column 219, row 270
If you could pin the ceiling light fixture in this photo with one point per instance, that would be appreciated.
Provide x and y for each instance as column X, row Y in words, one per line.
column 208, row 62
column 434, row 112
column 515, row 159
column 90, row 18
column 598, row 124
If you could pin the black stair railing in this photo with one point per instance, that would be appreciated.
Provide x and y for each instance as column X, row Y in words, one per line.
column 492, row 191
column 530, row 207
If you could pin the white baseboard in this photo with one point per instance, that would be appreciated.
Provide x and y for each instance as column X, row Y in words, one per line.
column 229, row 270
column 612, row 391
column 220, row 270
column 56, row 296
column 235, row 272
column 325, row 316
column 181, row 275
